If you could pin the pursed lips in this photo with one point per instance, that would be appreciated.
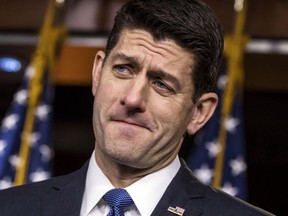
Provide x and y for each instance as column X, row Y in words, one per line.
column 137, row 123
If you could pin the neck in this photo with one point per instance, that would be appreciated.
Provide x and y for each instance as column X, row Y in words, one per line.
column 121, row 175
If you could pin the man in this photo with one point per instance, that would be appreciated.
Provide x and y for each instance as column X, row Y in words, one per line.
column 152, row 85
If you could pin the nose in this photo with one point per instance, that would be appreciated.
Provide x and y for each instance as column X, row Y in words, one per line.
column 134, row 96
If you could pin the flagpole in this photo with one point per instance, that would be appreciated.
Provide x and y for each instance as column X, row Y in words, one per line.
column 234, row 50
column 42, row 58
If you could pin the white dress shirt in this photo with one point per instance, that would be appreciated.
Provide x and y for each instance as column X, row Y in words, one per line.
column 146, row 192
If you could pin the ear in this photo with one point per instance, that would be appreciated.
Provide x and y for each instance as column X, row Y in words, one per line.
column 97, row 69
column 204, row 109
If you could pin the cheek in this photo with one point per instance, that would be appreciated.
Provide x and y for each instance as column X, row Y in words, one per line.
column 106, row 99
column 167, row 110
column 172, row 116
column 106, row 91
column 165, row 116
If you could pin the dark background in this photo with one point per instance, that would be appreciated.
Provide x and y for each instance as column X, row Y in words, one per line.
column 265, row 95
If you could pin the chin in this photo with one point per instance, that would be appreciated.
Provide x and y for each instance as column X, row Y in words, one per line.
column 125, row 158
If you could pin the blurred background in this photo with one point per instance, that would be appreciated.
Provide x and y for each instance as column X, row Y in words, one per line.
column 265, row 93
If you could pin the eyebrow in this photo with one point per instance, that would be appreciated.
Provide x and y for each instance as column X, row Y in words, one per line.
column 165, row 76
column 134, row 60
column 152, row 73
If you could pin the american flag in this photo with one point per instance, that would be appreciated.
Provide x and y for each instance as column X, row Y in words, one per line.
column 202, row 158
column 11, row 134
column 25, row 147
column 218, row 156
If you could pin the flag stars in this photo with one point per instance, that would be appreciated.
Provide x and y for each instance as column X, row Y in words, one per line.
column 213, row 148
column 21, row 97
column 228, row 188
column 15, row 161
column 13, row 128
column 42, row 111
column 46, row 153
column 29, row 73
column 3, row 145
column 5, row 183
column 39, row 175
column 34, row 138
column 10, row 121
column 238, row 166
column 231, row 123
column 204, row 174
column 222, row 81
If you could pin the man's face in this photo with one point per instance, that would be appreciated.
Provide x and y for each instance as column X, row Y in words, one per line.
column 143, row 100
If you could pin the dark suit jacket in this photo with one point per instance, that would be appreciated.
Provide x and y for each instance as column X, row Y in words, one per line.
column 62, row 196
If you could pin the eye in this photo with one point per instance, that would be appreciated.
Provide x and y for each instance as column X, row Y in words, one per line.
column 120, row 68
column 122, row 71
column 162, row 87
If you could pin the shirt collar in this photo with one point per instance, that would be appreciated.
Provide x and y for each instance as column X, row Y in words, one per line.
column 146, row 192
column 97, row 184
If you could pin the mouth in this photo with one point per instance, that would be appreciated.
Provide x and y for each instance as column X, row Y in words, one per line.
column 132, row 124
column 133, row 121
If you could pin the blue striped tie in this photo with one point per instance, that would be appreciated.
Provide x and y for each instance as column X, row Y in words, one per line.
column 119, row 201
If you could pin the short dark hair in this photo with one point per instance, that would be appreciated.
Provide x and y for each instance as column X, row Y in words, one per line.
column 190, row 23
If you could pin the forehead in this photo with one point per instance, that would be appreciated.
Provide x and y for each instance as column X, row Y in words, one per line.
column 166, row 54
column 137, row 37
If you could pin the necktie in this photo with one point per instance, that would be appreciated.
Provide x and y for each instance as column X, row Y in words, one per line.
column 119, row 201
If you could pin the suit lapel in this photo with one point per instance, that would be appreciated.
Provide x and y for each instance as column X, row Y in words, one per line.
column 185, row 191
column 66, row 195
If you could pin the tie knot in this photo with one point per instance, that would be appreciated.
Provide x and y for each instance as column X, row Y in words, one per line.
column 119, row 200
